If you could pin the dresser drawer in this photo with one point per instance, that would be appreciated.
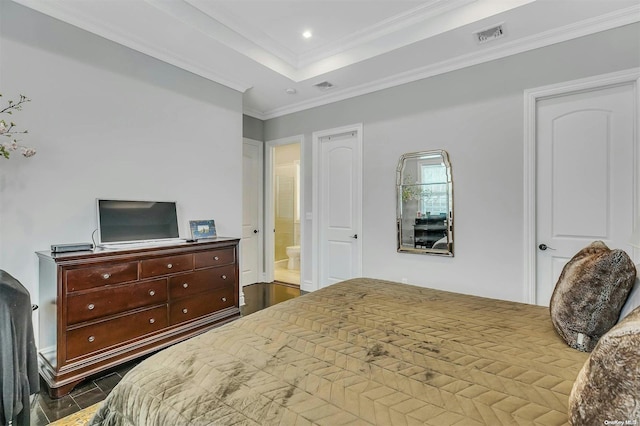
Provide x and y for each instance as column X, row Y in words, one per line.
column 200, row 305
column 215, row 257
column 166, row 265
column 96, row 304
column 101, row 275
column 85, row 340
column 200, row 281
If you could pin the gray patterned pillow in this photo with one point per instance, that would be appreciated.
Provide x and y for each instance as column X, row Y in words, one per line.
column 607, row 389
column 589, row 295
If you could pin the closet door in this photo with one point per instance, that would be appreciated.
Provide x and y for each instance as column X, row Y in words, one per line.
column 585, row 177
column 338, row 203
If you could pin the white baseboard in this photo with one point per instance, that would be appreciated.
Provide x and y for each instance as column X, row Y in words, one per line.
column 242, row 303
column 307, row 285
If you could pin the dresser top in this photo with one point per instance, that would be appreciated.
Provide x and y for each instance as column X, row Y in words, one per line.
column 147, row 250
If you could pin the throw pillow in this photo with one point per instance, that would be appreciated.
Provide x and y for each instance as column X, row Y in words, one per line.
column 606, row 389
column 589, row 294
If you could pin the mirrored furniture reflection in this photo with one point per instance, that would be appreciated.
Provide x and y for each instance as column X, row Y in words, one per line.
column 425, row 203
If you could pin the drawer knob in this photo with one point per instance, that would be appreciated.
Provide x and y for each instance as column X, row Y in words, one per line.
column 185, row 285
column 152, row 320
column 224, row 299
column 224, row 277
column 216, row 258
column 152, row 293
column 106, row 276
column 90, row 306
column 185, row 310
column 169, row 265
column 91, row 339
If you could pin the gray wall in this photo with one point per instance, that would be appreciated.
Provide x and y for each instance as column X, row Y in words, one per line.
column 107, row 122
column 476, row 114
column 252, row 128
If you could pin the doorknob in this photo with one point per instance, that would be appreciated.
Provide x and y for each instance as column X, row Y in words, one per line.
column 543, row 247
column 255, row 231
column 354, row 236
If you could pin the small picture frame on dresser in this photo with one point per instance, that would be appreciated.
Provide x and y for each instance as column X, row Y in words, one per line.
column 202, row 229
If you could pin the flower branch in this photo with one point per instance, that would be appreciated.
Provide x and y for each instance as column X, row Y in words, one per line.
column 9, row 131
column 14, row 106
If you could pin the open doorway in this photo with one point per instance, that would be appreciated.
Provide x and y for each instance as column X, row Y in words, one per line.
column 283, row 210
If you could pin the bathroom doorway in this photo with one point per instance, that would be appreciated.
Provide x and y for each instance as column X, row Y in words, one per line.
column 283, row 211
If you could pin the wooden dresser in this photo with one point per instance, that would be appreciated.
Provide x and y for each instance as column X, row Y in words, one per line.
column 101, row 308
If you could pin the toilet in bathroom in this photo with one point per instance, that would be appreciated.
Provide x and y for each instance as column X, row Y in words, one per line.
column 294, row 257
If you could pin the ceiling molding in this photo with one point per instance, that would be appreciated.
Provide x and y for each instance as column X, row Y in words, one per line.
column 354, row 40
column 191, row 15
column 382, row 37
column 583, row 28
column 254, row 113
column 256, row 37
column 386, row 35
column 380, row 29
column 61, row 12
column 216, row 40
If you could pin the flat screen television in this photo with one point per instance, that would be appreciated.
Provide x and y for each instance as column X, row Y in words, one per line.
column 130, row 222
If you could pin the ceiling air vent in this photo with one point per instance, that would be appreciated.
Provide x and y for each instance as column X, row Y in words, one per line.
column 324, row 86
column 490, row 34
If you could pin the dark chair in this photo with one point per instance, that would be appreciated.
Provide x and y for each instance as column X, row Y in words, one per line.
column 18, row 355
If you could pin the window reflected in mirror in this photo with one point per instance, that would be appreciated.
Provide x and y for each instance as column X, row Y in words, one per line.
column 424, row 203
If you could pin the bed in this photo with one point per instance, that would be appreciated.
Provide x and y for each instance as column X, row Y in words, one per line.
column 361, row 352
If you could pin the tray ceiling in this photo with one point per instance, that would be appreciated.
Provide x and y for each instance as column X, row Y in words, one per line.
column 358, row 46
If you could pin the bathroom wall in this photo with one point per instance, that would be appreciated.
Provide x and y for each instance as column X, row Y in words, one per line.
column 287, row 220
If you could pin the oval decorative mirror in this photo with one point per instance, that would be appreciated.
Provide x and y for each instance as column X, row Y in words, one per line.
column 425, row 203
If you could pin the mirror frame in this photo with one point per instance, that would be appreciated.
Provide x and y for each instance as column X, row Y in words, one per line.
column 399, row 205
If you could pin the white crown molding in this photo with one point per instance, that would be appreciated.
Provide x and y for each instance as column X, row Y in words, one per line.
column 61, row 12
column 66, row 13
column 224, row 27
column 380, row 29
column 352, row 41
column 193, row 17
column 254, row 113
column 259, row 38
column 579, row 29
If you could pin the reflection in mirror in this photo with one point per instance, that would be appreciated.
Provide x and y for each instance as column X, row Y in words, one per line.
column 425, row 203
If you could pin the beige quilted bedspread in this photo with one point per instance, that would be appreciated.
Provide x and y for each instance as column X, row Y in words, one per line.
column 365, row 352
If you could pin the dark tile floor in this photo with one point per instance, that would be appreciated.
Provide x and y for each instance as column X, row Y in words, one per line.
column 45, row 410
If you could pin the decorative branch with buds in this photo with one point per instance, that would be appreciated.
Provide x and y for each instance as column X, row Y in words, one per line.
column 9, row 131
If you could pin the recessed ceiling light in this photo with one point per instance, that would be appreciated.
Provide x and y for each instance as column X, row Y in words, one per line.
column 307, row 34
column 291, row 91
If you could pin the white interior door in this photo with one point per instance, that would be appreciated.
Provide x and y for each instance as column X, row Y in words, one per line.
column 338, row 206
column 250, row 253
column 585, row 177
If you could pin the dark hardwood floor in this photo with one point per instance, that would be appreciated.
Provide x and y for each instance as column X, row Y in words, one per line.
column 45, row 410
column 260, row 296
